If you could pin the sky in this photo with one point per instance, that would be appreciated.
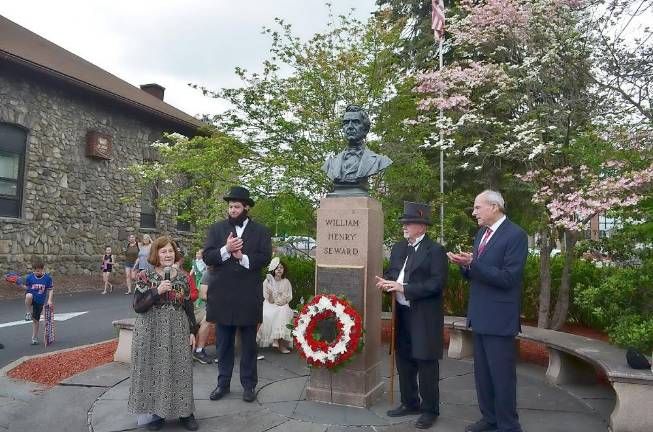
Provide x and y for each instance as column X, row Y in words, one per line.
column 173, row 42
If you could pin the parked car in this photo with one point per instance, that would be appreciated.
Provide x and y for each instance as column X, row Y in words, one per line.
column 296, row 246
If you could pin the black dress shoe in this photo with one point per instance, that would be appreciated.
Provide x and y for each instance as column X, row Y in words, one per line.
column 481, row 426
column 189, row 422
column 218, row 393
column 155, row 425
column 402, row 410
column 426, row 420
column 249, row 395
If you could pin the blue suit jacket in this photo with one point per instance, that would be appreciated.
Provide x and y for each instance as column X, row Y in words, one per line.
column 496, row 281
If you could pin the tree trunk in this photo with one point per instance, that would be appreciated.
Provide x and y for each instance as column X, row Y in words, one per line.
column 545, row 279
column 562, row 305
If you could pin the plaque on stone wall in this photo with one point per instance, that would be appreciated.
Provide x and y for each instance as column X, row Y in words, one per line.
column 348, row 281
column 98, row 145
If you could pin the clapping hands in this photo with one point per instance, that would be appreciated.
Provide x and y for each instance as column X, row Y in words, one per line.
column 234, row 246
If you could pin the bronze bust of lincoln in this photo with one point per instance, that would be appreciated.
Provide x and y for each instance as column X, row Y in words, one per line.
column 351, row 168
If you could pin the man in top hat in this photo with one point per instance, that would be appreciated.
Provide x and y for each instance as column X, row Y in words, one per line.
column 417, row 274
column 237, row 248
column 495, row 269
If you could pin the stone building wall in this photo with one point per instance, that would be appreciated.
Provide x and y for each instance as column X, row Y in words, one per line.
column 72, row 204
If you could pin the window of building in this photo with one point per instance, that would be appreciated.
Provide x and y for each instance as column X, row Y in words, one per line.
column 148, row 207
column 606, row 225
column 183, row 225
column 12, row 162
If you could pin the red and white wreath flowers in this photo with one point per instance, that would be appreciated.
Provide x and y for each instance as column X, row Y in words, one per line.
column 349, row 331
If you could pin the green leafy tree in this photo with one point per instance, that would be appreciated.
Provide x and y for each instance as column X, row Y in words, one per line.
column 289, row 114
column 191, row 176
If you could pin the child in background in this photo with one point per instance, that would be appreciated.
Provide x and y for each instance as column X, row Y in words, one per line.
column 107, row 266
column 194, row 293
column 200, row 317
column 38, row 284
column 198, row 268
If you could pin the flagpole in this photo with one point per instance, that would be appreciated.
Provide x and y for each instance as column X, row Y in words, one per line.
column 441, row 157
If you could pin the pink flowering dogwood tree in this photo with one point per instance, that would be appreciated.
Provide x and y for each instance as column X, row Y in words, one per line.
column 520, row 92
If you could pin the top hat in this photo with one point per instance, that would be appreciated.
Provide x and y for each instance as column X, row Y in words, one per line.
column 239, row 193
column 416, row 213
column 636, row 360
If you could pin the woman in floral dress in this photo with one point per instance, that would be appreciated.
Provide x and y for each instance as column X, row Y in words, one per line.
column 162, row 374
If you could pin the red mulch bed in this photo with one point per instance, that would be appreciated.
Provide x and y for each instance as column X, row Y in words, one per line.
column 52, row 369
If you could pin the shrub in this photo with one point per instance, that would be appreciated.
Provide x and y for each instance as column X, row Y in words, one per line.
column 633, row 330
column 621, row 304
column 301, row 274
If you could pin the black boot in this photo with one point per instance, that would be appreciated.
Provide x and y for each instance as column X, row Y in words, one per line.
column 189, row 422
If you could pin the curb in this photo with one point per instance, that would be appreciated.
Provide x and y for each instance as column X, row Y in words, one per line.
column 18, row 362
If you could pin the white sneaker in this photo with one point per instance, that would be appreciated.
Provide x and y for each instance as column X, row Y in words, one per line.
column 28, row 316
column 35, row 341
column 261, row 357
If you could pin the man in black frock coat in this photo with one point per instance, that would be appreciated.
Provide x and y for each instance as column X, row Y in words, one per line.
column 237, row 248
column 418, row 274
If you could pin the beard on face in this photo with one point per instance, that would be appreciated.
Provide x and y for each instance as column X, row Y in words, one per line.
column 238, row 221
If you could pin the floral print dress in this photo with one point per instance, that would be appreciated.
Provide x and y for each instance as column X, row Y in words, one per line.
column 161, row 359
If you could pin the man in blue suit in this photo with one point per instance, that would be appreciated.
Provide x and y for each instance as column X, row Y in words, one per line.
column 495, row 268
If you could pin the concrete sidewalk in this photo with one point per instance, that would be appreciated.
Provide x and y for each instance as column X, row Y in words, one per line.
column 96, row 401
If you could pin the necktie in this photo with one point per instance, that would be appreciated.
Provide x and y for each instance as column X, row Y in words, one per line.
column 409, row 262
column 486, row 236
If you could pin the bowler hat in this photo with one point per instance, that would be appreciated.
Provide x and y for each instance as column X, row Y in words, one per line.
column 636, row 360
column 416, row 213
column 239, row 193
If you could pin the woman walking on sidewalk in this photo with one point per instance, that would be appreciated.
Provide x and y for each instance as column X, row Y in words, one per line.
column 142, row 262
column 131, row 257
column 162, row 363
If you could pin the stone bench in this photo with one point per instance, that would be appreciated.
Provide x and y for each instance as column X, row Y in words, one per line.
column 125, row 328
column 573, row 359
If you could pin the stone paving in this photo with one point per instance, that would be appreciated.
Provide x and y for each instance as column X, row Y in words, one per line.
column 97, row 401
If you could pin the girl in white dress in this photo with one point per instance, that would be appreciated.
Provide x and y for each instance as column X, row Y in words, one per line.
column 277, row 293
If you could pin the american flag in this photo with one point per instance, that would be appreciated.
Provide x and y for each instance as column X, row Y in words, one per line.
column 437, row 18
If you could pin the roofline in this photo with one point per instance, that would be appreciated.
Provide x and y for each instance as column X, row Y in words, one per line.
column 98, row 90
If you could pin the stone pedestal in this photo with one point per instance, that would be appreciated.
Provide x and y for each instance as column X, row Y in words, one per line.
column 348, row 256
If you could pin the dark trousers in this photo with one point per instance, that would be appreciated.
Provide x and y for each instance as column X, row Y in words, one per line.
column 495, row 375
column 415, row 375
column 225, row 338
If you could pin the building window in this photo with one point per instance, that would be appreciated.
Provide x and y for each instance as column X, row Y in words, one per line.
column 148, row 208
column 182, row 225
column 12, row 162
column 606, row 225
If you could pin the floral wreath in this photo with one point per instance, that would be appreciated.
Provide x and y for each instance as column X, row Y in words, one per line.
column 347, row 342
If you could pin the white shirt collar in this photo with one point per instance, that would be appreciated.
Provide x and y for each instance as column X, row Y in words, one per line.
column 240, row 229
column 498, row 223
column 418, row 240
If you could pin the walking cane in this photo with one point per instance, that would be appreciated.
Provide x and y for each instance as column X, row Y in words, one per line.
column 393, row 322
